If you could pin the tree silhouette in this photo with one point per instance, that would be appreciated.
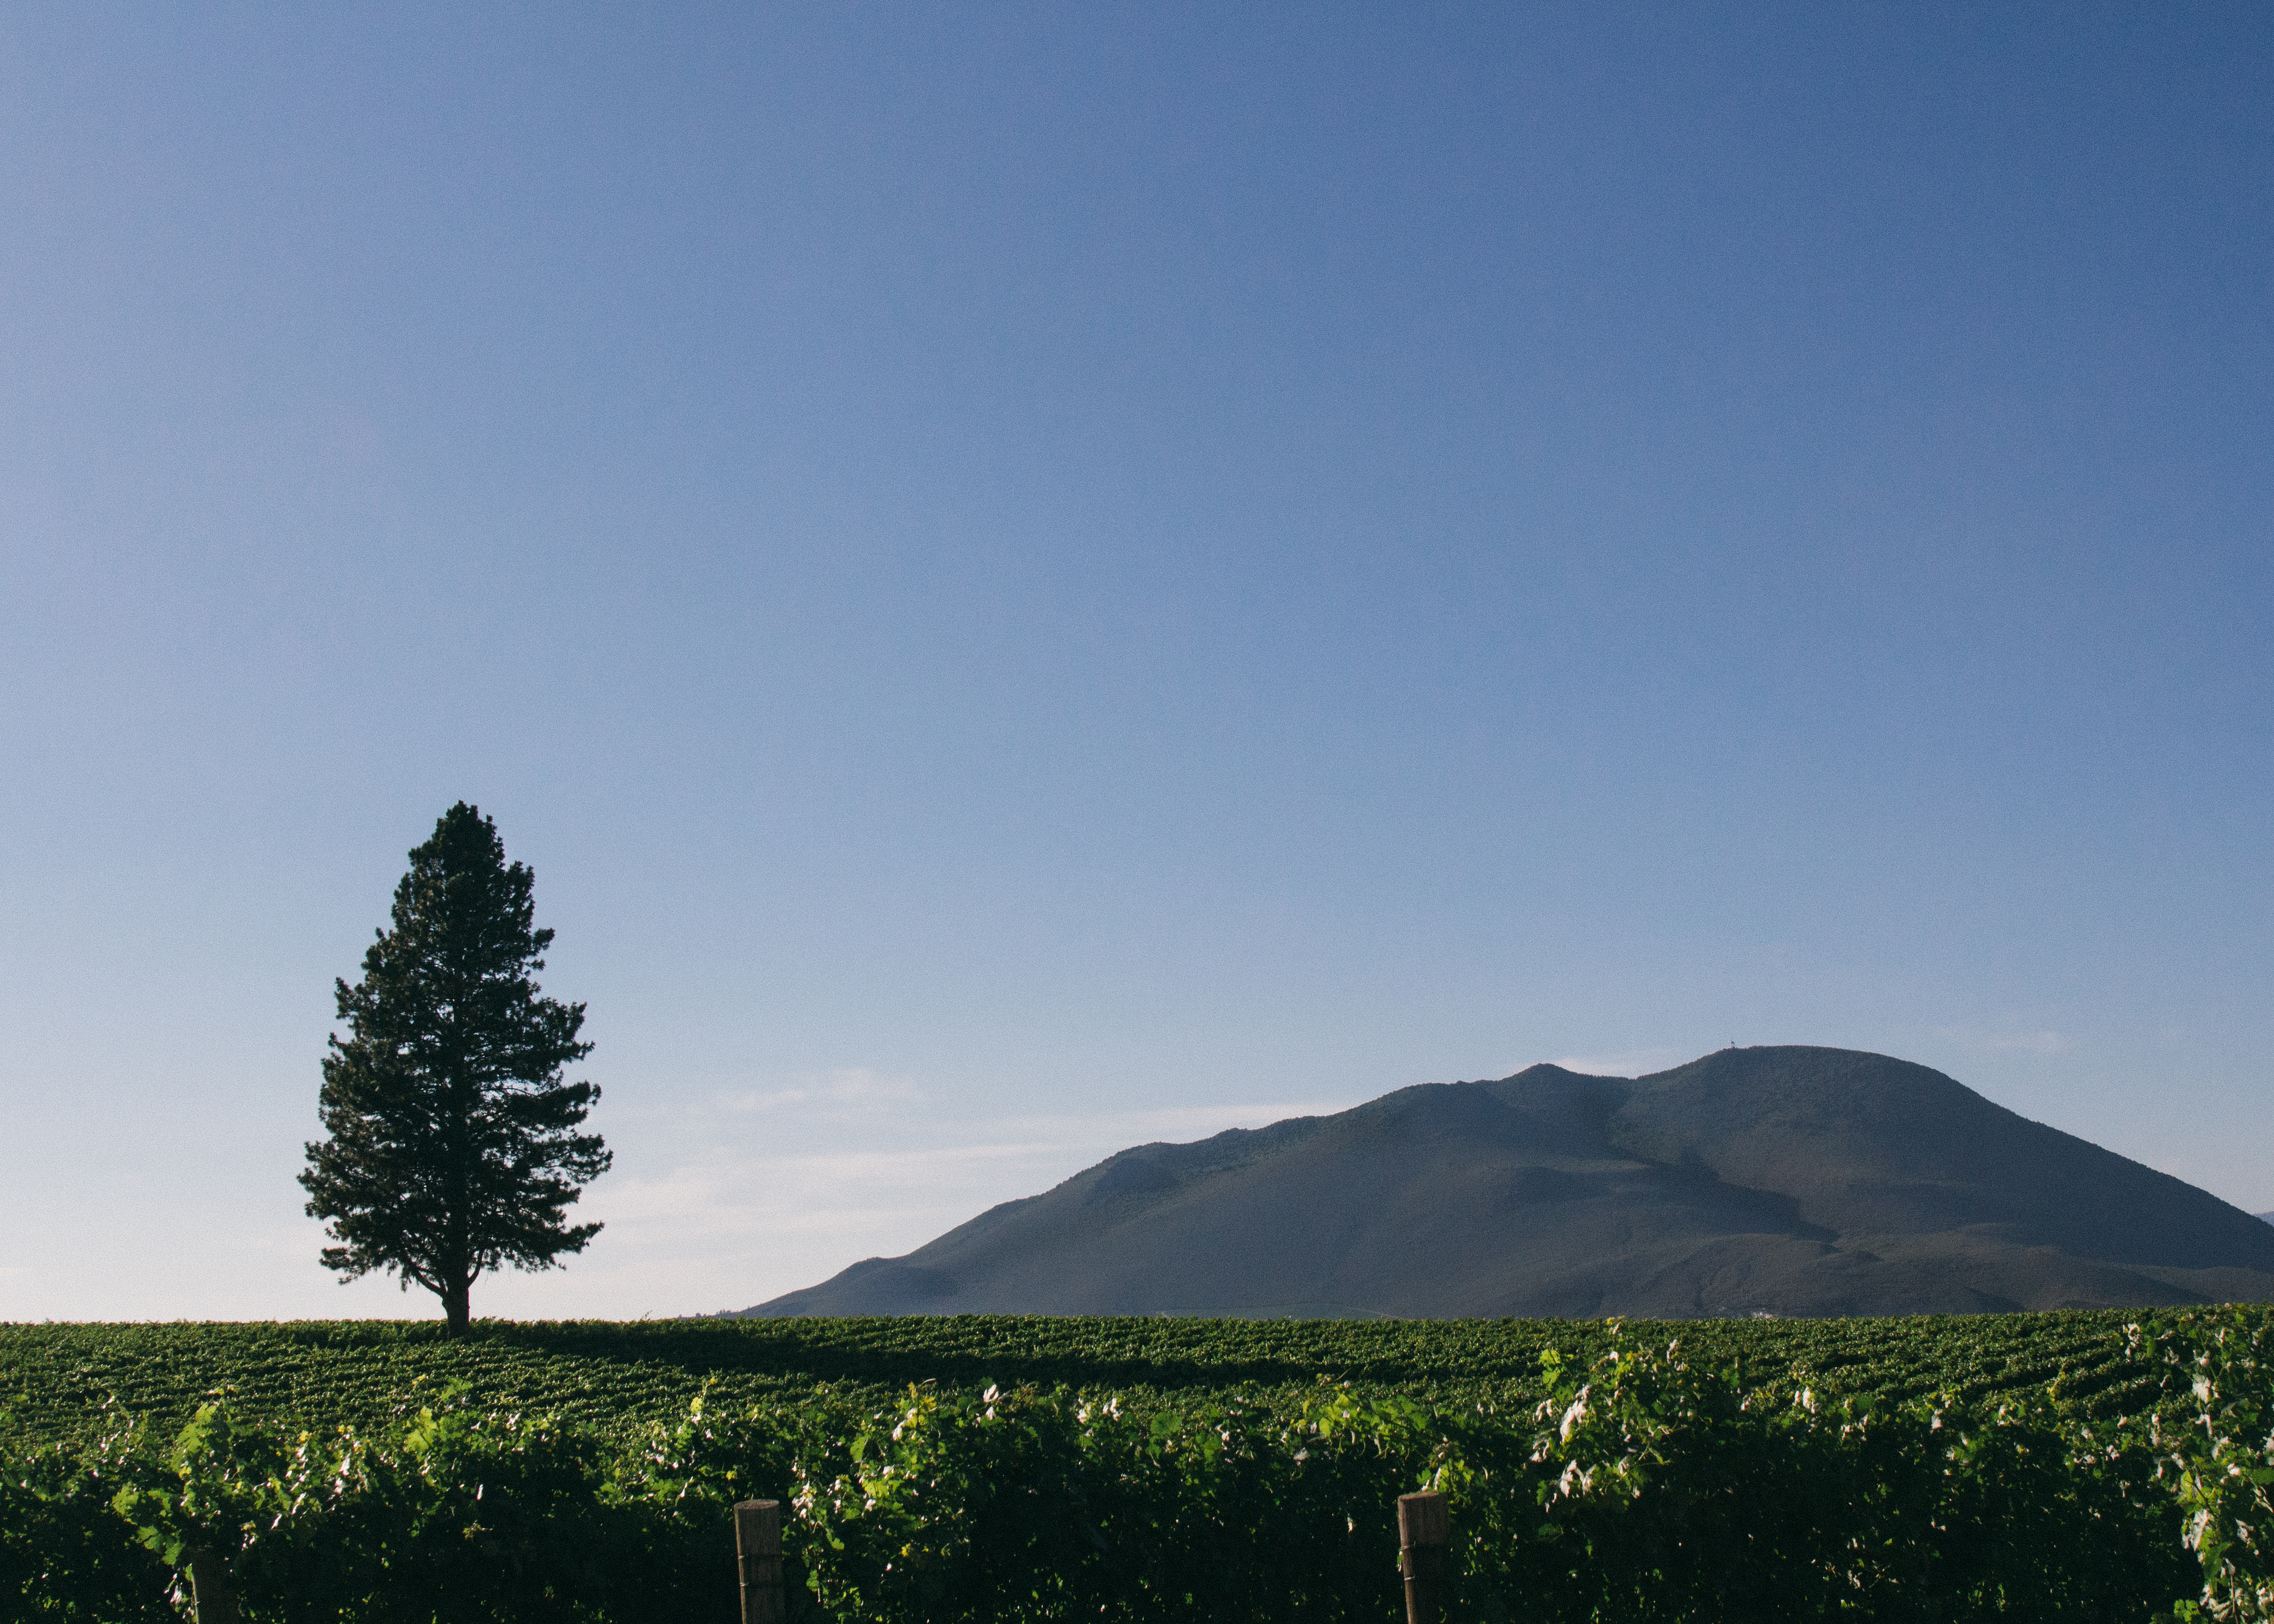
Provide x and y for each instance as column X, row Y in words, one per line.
column 453, row 1146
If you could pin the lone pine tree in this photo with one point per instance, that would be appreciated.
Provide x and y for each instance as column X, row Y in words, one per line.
column 452, row 1146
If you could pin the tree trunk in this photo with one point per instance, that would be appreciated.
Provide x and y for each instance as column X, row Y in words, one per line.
column 457, row 1308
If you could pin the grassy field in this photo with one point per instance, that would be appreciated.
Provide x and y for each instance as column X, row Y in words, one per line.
column 69, row 1382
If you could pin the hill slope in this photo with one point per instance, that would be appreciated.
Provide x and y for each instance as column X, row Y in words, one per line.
column 1790, row 1181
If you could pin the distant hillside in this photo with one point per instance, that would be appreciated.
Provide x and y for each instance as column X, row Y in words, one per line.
column 1788, row 1181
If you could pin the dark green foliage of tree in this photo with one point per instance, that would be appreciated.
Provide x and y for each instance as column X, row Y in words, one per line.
column 452, row 1144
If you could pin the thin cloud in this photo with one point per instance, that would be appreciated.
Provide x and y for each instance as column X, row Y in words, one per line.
column 2031, row 1043
column 846, row 1088
column 2046, row 1042
column 1172, row 1123
column 1626, row 1063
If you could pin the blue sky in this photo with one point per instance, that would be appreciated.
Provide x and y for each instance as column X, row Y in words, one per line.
column 1034, row 578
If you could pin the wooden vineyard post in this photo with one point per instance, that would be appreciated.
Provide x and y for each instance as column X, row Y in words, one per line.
column 1424, row 1529
column 757, row 1553
column 213, row 1598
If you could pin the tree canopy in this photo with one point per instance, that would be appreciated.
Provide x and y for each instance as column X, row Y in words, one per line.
column 452, row 1146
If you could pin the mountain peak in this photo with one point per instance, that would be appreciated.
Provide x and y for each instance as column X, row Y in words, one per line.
column 1786, row 1179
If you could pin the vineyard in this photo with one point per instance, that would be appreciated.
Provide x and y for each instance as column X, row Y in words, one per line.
column 2014, row 1466
column 56, row 1382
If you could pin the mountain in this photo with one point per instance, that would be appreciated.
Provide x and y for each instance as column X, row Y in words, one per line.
column 1789, row 1181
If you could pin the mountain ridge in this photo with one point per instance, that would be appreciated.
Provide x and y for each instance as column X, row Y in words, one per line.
column 1783, row 1180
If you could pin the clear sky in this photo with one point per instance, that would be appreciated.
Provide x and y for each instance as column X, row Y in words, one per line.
column 1034, row 578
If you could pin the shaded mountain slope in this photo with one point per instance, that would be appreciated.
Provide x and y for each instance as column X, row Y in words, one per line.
column 1787, row 1180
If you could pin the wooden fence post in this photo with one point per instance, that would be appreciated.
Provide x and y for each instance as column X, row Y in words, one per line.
column 213, row 1598
column 757, row 1553
column 1425, row 1528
